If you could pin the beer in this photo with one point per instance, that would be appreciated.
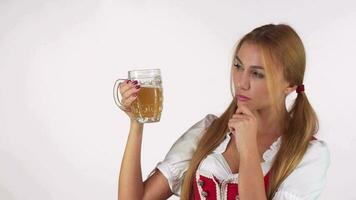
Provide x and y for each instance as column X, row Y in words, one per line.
column 148, row 105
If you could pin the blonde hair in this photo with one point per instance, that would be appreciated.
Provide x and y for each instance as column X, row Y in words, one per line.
column 282, row 49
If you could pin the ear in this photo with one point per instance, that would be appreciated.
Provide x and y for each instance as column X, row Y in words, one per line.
column 289, row 89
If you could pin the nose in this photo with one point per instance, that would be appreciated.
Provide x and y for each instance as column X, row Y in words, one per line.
column 243, row 82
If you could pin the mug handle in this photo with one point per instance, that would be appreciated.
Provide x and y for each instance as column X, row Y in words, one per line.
column 116, row 94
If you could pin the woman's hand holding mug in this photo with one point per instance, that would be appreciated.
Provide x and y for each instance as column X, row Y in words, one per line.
column 128, row 90
column 140, row 95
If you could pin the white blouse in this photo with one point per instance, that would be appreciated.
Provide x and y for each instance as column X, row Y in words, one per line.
column 305, row 182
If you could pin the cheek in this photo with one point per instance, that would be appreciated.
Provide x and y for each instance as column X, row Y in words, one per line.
column 261, row 94
column 234, row 78
column 260, row 88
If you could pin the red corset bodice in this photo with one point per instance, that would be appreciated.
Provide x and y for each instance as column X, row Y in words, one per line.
column 209, row 188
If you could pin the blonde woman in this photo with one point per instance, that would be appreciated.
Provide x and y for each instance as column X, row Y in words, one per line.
column 257, row 149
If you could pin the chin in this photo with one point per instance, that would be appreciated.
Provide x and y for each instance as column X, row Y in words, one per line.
column 244, row 103
column 248, row 105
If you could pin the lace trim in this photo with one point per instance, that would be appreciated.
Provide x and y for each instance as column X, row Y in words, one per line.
column 268, row 155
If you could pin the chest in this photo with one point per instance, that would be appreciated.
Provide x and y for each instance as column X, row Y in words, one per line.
column 208, row 187
column 217, row 176
column 232, row 156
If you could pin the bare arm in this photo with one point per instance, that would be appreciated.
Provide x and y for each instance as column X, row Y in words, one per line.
column 251, row 183
column 130, row 178
column 131, row 185
column 130, row 181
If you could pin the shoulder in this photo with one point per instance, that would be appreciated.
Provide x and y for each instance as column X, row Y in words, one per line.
column 315, row 161
column 198, row 128
column 309, row 177
column 206, row 121
column 191, row 136
column 178, row 157
column 318, row 150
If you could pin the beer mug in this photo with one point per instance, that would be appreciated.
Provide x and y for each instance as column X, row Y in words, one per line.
column 148, row 105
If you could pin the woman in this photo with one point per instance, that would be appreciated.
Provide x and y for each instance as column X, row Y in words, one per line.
column 257, row 149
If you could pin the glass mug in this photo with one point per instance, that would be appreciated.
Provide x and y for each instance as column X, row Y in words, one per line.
column 148, row 105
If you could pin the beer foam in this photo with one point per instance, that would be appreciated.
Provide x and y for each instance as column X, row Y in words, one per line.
column 151, row 86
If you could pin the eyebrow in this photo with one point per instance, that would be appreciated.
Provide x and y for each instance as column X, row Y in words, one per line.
column 252, row 66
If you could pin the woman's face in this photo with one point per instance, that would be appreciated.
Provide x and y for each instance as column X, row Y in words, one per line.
column 249, row 77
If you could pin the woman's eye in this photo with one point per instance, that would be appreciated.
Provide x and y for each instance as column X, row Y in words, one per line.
column 237, row 65
column 257, row 74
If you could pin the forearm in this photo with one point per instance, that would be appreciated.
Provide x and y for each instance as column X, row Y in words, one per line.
column 130, row 178
column 251, row 182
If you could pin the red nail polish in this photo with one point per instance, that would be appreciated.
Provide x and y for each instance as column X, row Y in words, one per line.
column 135, row 82
column 137, row 86
column 128, row 81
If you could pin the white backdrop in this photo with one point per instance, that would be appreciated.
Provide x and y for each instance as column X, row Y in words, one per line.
column 62, row 137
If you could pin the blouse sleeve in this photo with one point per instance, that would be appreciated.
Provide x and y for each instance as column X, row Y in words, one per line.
column 308, row 180
column 176, row 161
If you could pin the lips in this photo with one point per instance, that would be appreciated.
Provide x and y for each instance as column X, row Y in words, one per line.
column 242, row 98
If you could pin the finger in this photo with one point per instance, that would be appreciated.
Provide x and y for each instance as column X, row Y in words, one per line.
column 128, row 101
column 125, row 109
column 124, row 86
column 231, row 127
column 234, row 122
column 238, row 116
column 242, row 109
column 237, row 122
column 248, row 111
column 131, row 91
column 232, row 130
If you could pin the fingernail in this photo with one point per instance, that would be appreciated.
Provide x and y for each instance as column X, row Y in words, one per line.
column 137, row 86
column 128, row 81
column 135, row 82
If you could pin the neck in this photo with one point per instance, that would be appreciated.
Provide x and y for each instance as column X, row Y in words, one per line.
column 269, row 125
